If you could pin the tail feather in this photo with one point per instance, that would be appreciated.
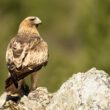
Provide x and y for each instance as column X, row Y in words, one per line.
column 14, row 93
column 10, row 79
column 8, row 82
column 14, row 79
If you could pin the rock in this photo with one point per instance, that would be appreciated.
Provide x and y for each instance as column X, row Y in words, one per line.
column 83, row 91
column 2, row 99
column 10, row 105
column 36, row 100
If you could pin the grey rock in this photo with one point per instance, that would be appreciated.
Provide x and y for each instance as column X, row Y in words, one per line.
column 83, row 91
column 2, row 99
column 37, row 100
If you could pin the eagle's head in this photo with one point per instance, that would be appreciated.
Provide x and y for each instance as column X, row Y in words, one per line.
column 29, row 24
column 31, row 21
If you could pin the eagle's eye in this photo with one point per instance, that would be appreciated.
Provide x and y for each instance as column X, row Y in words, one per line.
column 32, row 19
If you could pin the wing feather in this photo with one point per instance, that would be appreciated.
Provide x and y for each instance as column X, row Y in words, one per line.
column 25, row 54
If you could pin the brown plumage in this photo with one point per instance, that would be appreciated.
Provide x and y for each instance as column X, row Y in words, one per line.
column 26, row 53
column 22, row 89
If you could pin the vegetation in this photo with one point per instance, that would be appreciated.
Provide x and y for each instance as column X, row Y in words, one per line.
column 77, row 32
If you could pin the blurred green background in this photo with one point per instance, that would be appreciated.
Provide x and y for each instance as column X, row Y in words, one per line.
column 77, row 32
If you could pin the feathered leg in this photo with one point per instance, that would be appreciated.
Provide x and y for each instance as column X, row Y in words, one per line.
column 33, row 80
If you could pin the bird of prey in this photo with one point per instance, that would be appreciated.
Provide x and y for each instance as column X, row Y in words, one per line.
column 27, row 53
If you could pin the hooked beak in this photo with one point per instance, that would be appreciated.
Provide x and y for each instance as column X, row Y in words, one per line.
column 38, row 21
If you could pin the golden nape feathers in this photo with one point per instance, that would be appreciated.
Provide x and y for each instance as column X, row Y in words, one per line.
column 27, row 53
column 29, row 24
